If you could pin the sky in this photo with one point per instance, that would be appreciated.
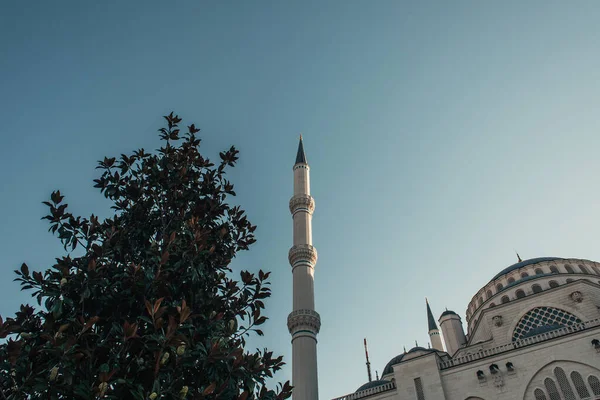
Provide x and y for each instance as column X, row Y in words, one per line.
column 442, row 137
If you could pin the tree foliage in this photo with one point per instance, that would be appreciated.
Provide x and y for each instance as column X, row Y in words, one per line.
column 148, row 309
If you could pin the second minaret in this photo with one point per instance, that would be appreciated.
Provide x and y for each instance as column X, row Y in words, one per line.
column 303, row 322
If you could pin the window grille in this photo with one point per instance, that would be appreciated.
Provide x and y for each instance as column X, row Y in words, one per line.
column 524, row 275
column 580, row 385
column 540, row 317
column 553, row 270
column 488, row 294
column 583, row 269
column 511, row 280
column 520, row 294
column 480, row 300
column 419, row 389
column 553, row 284
column 563, row 382
column 536, row 289
column 539, row 271
column 594, row 384
column 504, row 299
column 539, row 394
column 499, row 287
column 551, row 388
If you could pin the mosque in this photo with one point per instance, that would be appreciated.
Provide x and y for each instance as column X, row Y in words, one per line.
column 532, row 332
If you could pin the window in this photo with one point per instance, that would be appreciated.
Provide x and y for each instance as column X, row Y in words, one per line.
column 539, row 394
column 553, row 269
column 524, row 275
column 492, row 305
column 594, row 384
column 504, row 299
column 569, row 269
column 563, row 382
column 511, row 280
column 596, row 270
column 583, row 269
column 553, row 284
column 539, row 271
column 535, row 320
column 480, row 300
column 580, row 385
column 552, row 390
column 488, row 294
column 419, row 389
column 536, row 288
column 499, row 287
column 520, row 294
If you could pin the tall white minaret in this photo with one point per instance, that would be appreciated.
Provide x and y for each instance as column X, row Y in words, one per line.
column 304, row 322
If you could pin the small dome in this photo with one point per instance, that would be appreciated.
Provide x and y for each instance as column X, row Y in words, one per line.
column 399, row 358
column 371, row 384
column 448, row 312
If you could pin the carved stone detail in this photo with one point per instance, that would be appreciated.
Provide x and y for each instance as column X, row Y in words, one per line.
column 577, row 297
column 302, row 252
column 302, row 201
column 497, row 320
column 304, row 320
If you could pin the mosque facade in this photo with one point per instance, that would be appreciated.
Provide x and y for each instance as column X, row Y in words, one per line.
column 532, row 332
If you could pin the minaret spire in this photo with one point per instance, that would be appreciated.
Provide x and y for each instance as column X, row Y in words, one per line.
column 303, row 322
column 368, row 362
column 432, row 328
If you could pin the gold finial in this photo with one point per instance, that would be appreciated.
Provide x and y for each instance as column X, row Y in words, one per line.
column 300, row 136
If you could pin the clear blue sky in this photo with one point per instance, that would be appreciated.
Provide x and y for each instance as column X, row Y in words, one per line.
column 441, row 137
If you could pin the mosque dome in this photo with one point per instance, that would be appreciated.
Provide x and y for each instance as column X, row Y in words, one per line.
column 412, row 353
column 448, row 312
column 524, row 264
column 371, row 384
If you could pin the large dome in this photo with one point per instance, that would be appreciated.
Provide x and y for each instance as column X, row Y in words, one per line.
column 524, row 264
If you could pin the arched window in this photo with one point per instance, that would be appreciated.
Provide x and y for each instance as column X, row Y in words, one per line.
column 542, row 319
column 488, row 294
column 536, row 288
column 569, row 280
column 580, row 385
column 511, row 280
column 480, row 300
column 504, row 299
column 520, row 294
column 594, row 384
column 499, row 287
column 569, row 269
column 583, row 269
column 539, row 394
column 553, row 284
column 551, row 388
column 492, row 305
column 539, row 271
column 553, row 269
column 563, row 382
column 524, row 274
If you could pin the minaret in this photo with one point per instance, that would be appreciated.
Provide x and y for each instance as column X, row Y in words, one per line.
column 434, row 333
column 303, row 322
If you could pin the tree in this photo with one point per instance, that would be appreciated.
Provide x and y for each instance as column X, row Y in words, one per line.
column 148, row 309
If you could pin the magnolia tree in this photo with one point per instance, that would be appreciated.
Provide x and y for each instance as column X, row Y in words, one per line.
column 148, row 309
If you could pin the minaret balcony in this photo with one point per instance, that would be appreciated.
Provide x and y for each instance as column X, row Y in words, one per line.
column 304, row 320
column 302, row 254
column 302, row 202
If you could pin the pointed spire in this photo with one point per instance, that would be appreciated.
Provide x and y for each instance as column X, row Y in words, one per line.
column 300, row 156
column 377, row 374
column 431, row 325
column 518, row 257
